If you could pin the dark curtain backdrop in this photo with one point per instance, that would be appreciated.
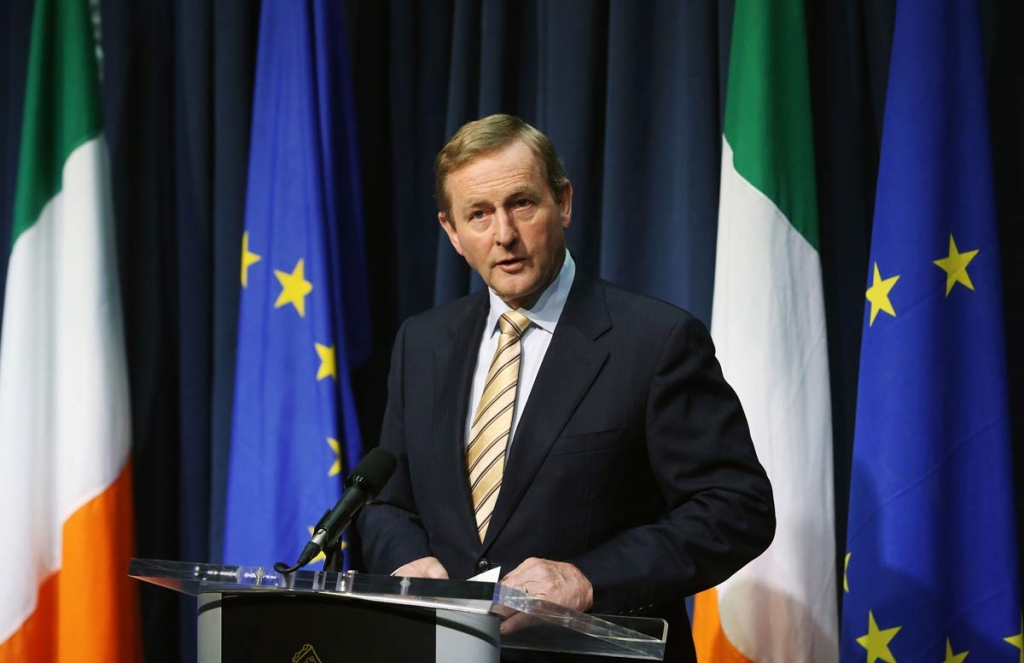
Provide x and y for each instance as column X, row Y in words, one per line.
column 632, row 94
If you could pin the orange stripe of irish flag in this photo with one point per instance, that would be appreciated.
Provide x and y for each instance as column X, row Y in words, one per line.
column 88, row 610
column 710, row 640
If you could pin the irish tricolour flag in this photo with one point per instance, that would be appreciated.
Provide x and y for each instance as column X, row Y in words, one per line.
column 768, row 322
column 65, row 476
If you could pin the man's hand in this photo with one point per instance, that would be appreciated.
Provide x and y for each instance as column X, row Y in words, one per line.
column 558, row 582
column 424, row 567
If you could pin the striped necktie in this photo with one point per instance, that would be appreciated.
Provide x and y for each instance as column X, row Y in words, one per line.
column 492, row 424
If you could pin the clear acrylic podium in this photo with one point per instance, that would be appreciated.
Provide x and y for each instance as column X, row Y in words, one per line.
column 256, row 614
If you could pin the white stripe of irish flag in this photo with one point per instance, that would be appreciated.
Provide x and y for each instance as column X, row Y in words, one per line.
column 768, row 322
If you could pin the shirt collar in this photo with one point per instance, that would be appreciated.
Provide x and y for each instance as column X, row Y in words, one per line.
column 546, row 311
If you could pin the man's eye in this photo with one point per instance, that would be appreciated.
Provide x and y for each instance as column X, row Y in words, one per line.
column 523, row 202
column 477, row 215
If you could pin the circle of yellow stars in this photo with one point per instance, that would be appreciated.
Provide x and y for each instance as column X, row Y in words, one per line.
column 294, row 289
column 876, row 641
column 954, row 265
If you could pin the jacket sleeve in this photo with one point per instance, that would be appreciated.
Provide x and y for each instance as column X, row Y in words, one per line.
column 718, row 512
column 389, row 528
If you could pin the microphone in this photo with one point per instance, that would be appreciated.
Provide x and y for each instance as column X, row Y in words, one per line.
column 364, row 483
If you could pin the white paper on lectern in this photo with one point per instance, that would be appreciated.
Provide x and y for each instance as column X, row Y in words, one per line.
column 492, row 575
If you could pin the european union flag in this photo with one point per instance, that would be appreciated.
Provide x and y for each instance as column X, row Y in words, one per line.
column 931, row 562
column 303, row 305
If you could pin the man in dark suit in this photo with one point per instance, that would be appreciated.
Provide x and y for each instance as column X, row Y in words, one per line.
column 580, row 436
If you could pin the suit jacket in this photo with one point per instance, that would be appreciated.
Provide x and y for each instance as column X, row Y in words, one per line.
column 632, row 458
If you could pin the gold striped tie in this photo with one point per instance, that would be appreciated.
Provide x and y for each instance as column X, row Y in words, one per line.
column 492, row 423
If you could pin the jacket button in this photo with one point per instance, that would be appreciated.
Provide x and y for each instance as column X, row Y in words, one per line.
column 483, row 565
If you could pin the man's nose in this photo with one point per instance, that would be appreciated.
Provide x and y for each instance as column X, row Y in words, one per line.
column 505, row 233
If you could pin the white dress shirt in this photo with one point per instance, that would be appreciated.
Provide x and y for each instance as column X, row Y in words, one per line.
column 543, row 317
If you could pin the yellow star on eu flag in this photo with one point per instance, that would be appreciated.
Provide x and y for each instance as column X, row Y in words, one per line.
column 878, row 295
column 294, row 288
column 248, row 259
column 328, row 365
column 877, row 641
column 1018, row 640
column 846, row 566
column 336, row 448
column 955, row 266
column 954, row 658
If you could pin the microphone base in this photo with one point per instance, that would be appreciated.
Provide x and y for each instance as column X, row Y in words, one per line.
column 335, row 557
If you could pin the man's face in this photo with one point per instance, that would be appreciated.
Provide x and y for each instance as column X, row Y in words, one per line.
column 506, row 223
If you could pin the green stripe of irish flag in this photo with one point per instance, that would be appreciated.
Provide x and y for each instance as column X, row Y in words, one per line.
column 62, row 108
column 768, row 109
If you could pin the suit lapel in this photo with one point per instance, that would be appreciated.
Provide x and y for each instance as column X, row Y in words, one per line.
column 455, row 358
column 570, row 365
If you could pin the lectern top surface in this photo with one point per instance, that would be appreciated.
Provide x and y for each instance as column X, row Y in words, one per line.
column 549, row 626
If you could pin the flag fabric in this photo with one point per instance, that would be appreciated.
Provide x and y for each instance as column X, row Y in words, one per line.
column 931, row 557
column 303, row 311
column 65, row 479
column 768, row 321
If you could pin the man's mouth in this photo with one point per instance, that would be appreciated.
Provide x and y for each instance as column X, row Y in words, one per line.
column 511, row 264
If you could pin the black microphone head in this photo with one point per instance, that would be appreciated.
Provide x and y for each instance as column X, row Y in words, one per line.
column 373, row 471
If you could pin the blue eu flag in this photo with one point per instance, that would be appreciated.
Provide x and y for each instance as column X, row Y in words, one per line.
column 931, row 558
column 303, row 311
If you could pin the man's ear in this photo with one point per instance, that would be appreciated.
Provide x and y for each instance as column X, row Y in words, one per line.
column 565, row 204
column 449, row 228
